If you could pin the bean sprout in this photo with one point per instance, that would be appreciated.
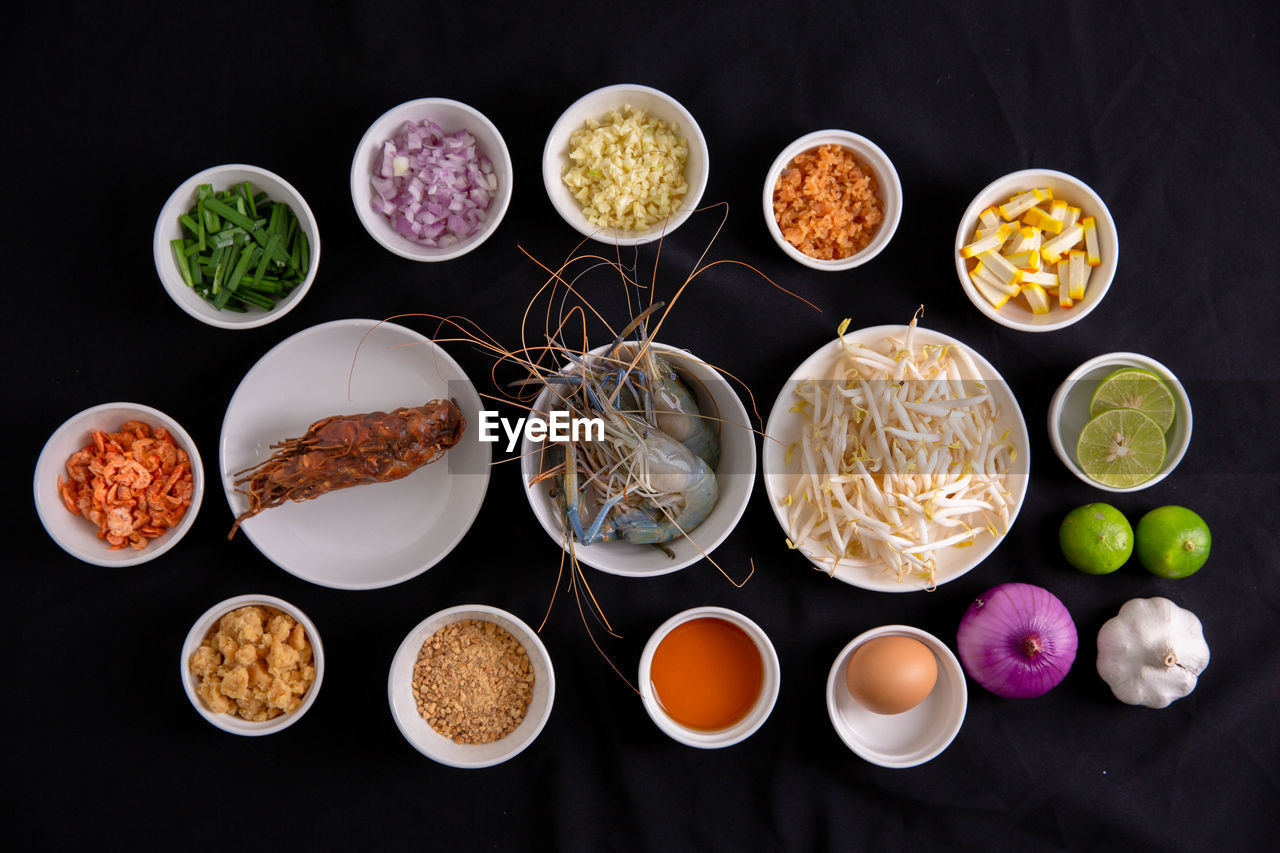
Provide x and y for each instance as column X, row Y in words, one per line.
column 899, row 459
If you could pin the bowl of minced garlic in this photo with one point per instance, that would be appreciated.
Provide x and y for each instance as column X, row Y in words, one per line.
column 832, row 200
column 625, row 164
column 471, row 686
column 252, row 665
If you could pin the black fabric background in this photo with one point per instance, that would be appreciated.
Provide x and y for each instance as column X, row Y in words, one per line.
column 1169, row 110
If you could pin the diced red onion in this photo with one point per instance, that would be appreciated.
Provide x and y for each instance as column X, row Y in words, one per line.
column 444, row 188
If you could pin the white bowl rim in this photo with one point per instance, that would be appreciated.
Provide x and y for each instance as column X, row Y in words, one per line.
column 584, row 554
column 612, row 236
column 153, row 550
column 754, row 719
column 970, row 216
column 1119, row 360
column 468, row 611
column 230, row 722
column 405, row 248
column 283, row 345
column 169, row 277
column 946, row 658
column 890, row 196
column 881, row 332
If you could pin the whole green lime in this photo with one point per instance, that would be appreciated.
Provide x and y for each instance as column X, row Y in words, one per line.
column 1096, row 538
column 1172, row 541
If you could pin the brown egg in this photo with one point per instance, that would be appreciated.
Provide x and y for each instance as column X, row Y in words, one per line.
column 889, row 675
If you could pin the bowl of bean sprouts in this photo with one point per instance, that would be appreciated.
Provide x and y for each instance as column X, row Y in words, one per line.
column 895, row 458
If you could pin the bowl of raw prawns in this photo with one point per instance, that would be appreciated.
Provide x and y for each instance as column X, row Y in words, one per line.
column 668, row 479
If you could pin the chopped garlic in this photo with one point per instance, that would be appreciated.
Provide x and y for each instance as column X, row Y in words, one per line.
column 627, row 171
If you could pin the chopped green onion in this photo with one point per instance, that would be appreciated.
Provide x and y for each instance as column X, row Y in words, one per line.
column 182, row 262
column 240, row 248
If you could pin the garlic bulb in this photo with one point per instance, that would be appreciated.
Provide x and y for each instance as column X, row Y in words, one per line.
column 1151, row 652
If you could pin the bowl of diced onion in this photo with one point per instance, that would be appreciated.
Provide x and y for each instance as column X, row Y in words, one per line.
column 431, row 179
column 1036, row 250
column 625, row 164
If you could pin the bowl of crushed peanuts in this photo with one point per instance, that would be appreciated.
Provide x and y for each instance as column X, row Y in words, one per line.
column 252, row 665
column 118, row 484
column 471, row 686
column 832, row 200
column 625, row 165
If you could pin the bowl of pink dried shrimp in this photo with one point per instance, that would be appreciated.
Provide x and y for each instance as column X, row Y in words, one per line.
column 118, row 484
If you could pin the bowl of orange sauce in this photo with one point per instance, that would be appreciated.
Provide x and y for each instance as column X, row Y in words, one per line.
column 709, row 677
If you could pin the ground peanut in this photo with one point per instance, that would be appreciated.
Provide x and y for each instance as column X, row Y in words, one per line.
column 472, row 682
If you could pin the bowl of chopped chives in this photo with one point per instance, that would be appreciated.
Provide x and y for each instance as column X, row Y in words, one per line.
column 236, row 246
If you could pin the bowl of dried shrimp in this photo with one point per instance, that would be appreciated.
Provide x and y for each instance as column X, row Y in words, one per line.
column 832, row 200
column 636, row 515
column 895, row 458
column 118, row 484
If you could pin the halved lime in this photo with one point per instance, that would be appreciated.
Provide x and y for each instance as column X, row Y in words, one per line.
column 1135, row 388
column 1121, row 448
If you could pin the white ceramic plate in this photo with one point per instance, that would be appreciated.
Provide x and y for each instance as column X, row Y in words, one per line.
column 735, row 475
column 374, row 535
column 912, row 737
column 436, row 746
column 784, row 428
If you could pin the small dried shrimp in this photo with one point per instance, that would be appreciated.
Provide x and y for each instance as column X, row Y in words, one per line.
column 134, row 484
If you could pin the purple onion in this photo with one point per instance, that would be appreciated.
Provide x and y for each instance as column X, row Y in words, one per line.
column 444, row 181
column 1017, row 640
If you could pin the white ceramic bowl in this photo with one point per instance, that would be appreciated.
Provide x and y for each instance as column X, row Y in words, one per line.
column 377, row 534
column 594, row 105
column 428, row 741
column 452, row 116
column 735, row 476
column 78, row 536
column 912, row 737
column 1015, row 313
column 888, row 187
column 745, row 727
column 784, row 429
column 232, row 723
column 168, row 228
column 1069, row 412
